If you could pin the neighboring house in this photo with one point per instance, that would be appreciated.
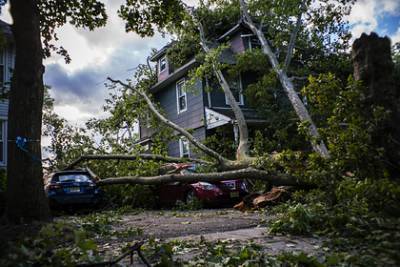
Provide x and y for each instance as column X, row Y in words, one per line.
column 7, row 58
column 202, row 111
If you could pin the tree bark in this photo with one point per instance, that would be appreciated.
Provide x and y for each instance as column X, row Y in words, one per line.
column 242, row 152
column 293, row 37
column 135, row 157
column 248, row 173
column 26, row 200
column 318, row 145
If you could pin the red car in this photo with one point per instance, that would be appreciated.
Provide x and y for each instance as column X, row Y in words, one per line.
column 229, row 191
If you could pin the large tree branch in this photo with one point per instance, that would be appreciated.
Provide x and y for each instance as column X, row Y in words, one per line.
column 248, row 173
column 208, row 151
column 301, row 111
column 134, row 157
column 243, row 147
column 293, row 37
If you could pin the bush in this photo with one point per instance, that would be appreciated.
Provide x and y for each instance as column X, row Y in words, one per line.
column 135, row 196
column 379, row 195
column 57, row 244
column 299, row 219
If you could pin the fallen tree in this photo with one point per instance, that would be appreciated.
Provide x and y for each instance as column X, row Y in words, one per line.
column 134, row 157
column 247, row 173
column 244, row 165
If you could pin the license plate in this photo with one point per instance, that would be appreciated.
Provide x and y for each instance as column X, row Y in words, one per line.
column 74, row 190
column 234, row 194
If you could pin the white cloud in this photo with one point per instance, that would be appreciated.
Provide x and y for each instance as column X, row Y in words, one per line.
column 360, row 28
column 396, row 37
column 78, row 87
column 365, row 14
column 82, row 53
column 390, row 6
column 5, row 13
column 72, row 113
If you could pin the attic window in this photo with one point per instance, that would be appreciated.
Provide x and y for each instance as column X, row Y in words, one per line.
column 162, row 63
column 251, row 41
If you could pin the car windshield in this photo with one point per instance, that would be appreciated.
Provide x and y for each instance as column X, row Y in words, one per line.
column 72, row 177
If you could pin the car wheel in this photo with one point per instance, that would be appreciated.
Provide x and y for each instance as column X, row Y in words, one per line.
column 191, row 197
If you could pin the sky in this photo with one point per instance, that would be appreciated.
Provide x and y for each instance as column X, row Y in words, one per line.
column 78, row 88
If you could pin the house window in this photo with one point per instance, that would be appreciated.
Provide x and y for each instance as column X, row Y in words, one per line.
column 2, row 69
column 251, row 41
column 162, row 64
column 184, row 149
column 237, row 90
column 181, row 96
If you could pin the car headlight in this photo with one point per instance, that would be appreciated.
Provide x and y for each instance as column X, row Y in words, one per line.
column 207, row 186
column 243, row 186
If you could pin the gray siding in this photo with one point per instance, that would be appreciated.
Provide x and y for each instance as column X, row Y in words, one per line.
column 173, row 147
column 237, row 44
column 193, row 117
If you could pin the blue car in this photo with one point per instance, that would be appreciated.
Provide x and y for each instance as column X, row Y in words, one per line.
column 73, row 187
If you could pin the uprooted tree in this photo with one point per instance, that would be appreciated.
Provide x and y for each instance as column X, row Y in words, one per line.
column 293, row 20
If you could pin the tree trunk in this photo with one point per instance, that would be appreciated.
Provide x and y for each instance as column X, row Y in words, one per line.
column 154, row 157
column 247, row 173
column 317, row 144
column 372, row 61
column 173, row 125
column 26, row 200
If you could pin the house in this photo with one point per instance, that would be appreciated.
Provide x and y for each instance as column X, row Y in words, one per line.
column 7, row 59
column 200, row 110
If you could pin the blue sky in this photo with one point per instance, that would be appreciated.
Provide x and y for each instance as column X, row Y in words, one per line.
column 381, row 16
column 78, row 87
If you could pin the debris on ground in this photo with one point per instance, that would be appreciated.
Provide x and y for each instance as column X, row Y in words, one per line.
column 256, row 201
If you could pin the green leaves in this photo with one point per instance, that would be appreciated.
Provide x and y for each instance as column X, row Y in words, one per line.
column 89, row 14
column 142, row 15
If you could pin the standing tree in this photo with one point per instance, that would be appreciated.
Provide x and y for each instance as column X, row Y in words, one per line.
column 34, row 21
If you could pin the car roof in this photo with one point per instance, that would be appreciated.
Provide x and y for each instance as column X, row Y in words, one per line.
column 77, row 171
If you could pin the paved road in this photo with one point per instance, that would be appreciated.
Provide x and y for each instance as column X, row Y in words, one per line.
column 211, row 225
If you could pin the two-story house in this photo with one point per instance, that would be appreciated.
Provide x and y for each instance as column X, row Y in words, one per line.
column 7, row 59
column 200, row 110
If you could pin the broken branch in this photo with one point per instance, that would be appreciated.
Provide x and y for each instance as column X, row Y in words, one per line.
column 134, row 157
column 243, row 147
column 247, row 173
column 293, row 37
column 208, row 151
column 317, row 144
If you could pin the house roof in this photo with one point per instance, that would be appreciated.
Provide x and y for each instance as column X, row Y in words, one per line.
column 178, row 73
column 5, row 28
column 240, row 25
column 161, row 52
